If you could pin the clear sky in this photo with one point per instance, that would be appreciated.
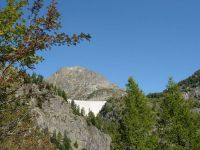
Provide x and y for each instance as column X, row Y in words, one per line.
column 150, row 40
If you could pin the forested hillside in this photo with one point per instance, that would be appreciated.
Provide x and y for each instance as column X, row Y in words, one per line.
column 159, row 121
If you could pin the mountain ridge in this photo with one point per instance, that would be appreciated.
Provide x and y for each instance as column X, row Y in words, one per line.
column 80, row 83
column 191, row 86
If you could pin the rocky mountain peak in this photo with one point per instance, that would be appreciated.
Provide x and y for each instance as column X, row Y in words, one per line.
column 77, row 69
column 81, row 83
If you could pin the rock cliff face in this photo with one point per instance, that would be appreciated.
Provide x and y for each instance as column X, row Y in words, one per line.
column 55, row 114
column 83, row 84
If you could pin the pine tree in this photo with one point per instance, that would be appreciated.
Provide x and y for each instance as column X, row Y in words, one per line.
column 178, row 126
column 73, row 105
column 64, row 95
column 59, row 137
column 66, row 142
column 137, row 121
column 82, row 112
column 91, row 118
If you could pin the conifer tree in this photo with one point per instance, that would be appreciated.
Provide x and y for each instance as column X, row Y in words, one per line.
column 137, row 121
column 64, row 95
column 73, row 105
column 178, row 125
column 82, row 112
column 66, row 142
column 91, row 118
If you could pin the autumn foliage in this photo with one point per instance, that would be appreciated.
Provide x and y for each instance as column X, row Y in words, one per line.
column 27, row 27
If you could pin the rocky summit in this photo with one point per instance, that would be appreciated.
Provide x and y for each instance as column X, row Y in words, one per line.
column 83, row 84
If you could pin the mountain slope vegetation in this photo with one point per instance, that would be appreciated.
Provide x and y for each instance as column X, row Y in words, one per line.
column 175, row 123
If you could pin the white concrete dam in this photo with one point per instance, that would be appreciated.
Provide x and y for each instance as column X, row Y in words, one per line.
column 94, row 106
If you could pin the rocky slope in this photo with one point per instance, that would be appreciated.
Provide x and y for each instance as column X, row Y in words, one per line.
column 55, row 114
column 191, row 86
column 80, row 83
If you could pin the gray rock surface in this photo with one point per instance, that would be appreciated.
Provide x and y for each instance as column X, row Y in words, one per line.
column 56, row 115
column 194, row 93
column 81, row 83
column 52, row 112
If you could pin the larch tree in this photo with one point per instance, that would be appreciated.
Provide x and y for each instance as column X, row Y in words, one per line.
column 178, row 125
column 138, row 120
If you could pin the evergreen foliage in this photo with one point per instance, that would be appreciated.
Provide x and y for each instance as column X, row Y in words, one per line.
column 82, row 112
column 137, row 121
column 178, row 125
column 59, row 92
column 62, row 143
column 66, row 142
column 191, row 82
column 64, row 95
column 39, row 80
column 91, row 119
column 34, row 78
column 75, row 108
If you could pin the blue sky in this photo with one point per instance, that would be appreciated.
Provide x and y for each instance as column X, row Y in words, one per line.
column 150, row 40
